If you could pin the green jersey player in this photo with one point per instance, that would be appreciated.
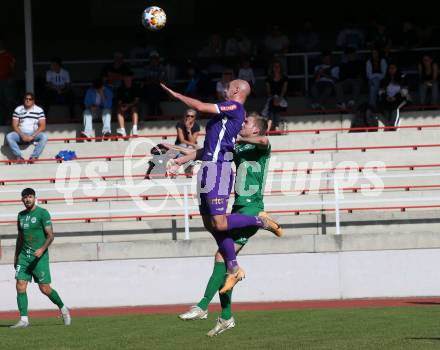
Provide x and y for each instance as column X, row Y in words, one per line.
column 31, row 260
column 252, row 155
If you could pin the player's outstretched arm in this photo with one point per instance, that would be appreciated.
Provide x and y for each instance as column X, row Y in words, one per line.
column 183, row 150
column 199, row 106
column 259, row 141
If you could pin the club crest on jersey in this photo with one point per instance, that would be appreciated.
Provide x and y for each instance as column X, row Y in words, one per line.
column 34, row 220
column 228, row 108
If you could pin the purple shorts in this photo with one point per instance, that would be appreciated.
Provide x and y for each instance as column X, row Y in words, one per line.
column 214, row 185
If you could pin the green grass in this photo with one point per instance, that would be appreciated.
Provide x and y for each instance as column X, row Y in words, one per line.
column 369, row 328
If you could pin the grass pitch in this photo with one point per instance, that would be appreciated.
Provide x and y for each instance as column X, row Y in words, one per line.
column 415, row 327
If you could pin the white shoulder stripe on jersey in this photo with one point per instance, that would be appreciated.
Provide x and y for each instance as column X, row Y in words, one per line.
column 220, row 139
column 218, row 109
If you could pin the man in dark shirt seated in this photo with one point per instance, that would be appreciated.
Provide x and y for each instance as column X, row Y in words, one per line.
column 127, row 98
column 349, row 75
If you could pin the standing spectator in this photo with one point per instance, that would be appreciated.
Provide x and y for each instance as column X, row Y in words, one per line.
column 112, row 72
column 276, row 89
column 28, row 122
column 324, row 82
column 247, row 73
column 393, row 95
column 276, row 43
column 349, row 75
column 128, row 99
column 376, row 68
column 308, row 39
column 7, row 87
column 98, row 102
column 350, row 37
column 188, row 130
column 428, row 74
column 154, row 75
column 222, row 84
column 238, row 45
column 58, row 88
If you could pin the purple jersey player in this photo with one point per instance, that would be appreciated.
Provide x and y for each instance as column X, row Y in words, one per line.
column 215, row 178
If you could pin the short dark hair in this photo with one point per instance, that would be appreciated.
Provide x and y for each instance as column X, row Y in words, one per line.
column 98, row 83
column 31, row 94
column 56, row 60
column 28, row 192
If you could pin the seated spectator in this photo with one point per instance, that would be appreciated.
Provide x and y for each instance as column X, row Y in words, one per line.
column 350, row 37
column 393, row 95
column 376, row 69
column 276, row 89
column 276, row 43
column 308, row 39
column 154, row 75
column 408, row 38
column 112, row 73
column 428, row 74
column 379, row 37
column 199, row 84
column 239, row 45
column 188, row 130
column 127, row 98
column 98, row 103
column 227, row 76
column 58, row 86
column 247, row 73
column 349, row 75
column 324, row 82
column 214, row 48
column 28, row 122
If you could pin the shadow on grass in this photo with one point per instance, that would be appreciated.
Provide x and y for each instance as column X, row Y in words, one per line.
column 423, row 338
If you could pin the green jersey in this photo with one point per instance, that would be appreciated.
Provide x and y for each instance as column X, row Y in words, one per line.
column 32, row 224
column 252, row 163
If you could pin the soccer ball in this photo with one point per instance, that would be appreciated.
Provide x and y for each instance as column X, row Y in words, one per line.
column 154, row 18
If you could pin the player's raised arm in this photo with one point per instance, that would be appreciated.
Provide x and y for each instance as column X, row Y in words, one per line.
column 199, row 106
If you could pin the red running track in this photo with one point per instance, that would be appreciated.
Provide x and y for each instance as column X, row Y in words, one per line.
column 291, row 305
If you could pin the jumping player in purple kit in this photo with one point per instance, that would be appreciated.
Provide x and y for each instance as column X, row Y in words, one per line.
column 215, row 178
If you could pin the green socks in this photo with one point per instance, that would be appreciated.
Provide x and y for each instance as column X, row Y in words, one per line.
column 225, row 301
column 22, row 301
column 55, row 298
column 215, row 283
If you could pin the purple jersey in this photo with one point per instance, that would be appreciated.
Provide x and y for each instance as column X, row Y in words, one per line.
column 222, row 130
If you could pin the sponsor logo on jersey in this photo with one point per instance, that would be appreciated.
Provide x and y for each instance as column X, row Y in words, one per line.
column 228, row 108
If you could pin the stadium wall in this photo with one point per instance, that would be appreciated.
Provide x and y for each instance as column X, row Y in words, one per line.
column 270, row 277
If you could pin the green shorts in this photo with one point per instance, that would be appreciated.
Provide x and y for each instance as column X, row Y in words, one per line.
column 29, row 266
column 241, row 236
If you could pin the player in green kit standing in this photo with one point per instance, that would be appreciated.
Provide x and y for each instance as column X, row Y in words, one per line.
column 252, row 155
column 31, row 260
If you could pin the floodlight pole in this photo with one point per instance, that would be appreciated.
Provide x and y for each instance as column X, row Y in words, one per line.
column 28, row 43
